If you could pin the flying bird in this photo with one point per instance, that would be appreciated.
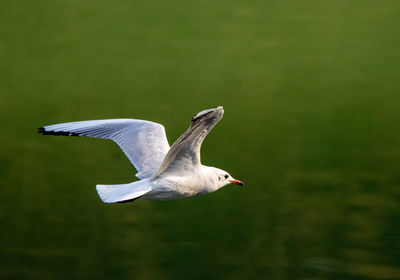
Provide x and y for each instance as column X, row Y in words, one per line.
column 166, row 172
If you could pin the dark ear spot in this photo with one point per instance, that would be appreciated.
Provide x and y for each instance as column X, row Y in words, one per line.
column 226, row 176
column 219, row 178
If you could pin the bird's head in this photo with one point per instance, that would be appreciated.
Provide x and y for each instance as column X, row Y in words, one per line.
column 223, row 178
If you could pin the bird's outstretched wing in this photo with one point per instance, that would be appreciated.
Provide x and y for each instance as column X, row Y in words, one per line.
column 143, row 142
column 184, row 154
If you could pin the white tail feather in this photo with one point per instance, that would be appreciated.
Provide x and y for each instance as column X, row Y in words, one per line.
column 123, row 192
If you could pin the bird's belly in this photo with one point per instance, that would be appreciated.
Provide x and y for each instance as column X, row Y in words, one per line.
column 171, row 189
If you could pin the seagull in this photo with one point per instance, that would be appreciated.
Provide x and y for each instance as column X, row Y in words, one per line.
column 166, row 172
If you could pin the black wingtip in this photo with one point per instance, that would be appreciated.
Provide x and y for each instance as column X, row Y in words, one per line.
column 57, row 133
column 202, row 114
column 42, row 130
column 217, row 111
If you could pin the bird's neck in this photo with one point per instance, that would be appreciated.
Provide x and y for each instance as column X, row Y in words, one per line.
column 211, row 183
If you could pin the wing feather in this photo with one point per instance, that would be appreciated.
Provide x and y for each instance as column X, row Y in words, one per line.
column 184, row 154
column 143, row 142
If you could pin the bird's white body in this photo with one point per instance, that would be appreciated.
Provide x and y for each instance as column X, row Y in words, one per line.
column 167, row 172
column 195, row 182
column 199, row 181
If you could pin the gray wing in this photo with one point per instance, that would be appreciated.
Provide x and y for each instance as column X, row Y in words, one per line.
column 184, row 154
column 143, row 142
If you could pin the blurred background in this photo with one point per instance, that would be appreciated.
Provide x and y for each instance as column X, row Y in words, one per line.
column 311, row 97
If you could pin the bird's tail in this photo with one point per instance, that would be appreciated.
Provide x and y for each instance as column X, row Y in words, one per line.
column 124, row 192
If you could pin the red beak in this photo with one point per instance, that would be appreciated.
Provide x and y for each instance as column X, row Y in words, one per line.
column 237, row 182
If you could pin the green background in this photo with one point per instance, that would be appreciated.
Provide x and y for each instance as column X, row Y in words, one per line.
column 311, row 97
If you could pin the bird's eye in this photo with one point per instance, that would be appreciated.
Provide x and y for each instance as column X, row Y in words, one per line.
column 226, row 176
